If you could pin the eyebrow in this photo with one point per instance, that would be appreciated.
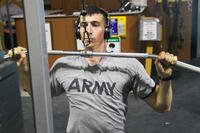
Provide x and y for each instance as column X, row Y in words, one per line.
column 92, row 22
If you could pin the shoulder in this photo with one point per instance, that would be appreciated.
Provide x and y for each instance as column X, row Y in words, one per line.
column 65, row 60
column 129, row 65
column 68, row 61
column 132, row 64
column 124, row 62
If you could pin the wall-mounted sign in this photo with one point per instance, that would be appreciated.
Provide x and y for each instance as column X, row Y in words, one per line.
column 114, row 45
column 149, row 29
column 118, row 26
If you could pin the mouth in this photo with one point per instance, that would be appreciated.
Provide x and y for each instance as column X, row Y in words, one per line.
column 89, row 40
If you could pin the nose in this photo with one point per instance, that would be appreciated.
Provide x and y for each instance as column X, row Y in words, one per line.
column 89, row 28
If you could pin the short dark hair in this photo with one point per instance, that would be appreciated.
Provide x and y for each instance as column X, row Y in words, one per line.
column 91, row 10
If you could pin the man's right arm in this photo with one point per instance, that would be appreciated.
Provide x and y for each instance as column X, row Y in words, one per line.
column 22, row 63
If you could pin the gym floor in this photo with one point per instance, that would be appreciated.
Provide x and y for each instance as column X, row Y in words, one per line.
column 184, row 116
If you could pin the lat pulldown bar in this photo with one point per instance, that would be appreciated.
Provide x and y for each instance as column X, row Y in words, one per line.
column 121, row 55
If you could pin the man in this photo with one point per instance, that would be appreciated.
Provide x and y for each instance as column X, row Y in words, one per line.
column 97, row 88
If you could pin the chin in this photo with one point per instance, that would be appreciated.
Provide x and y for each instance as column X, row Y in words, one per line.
column 89, row 47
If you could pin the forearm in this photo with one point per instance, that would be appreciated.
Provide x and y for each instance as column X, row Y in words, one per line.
column 164, row 95
column 161, row 98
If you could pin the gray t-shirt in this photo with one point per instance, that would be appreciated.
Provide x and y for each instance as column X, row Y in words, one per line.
column 98, row 94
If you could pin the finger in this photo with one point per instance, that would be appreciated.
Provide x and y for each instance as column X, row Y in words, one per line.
column 171, row 59
column 21, row 49
column 159, row 67
column 9, row 53
column 163, row 64
column 174, row 60
column 161, row 55
column 163, row 72
column 168, row 72
column 23, row 55
column 168, row 58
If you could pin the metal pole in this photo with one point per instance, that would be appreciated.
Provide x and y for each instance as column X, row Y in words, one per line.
column 198, row 29
column 38, row 58
column 122, row 55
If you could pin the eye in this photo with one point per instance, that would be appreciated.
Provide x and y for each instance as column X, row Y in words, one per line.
column 95, row 23
column 82, row 24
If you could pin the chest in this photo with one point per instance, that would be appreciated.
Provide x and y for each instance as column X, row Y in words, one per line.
column 101, row 82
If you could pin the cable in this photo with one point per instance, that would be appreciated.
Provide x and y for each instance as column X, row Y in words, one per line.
column 84, row 13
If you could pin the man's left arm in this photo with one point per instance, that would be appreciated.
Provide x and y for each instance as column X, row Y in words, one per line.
column 161, row 98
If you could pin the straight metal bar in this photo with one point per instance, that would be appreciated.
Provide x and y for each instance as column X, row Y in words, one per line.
column 38, row 58
column 121, row 55
column 90, row 53
column 198, row 29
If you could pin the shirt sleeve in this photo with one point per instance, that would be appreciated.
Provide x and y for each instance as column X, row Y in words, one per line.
column 55, row 85
column 142, row 84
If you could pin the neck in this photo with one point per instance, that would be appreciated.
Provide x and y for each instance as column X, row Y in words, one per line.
column 94, row 60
